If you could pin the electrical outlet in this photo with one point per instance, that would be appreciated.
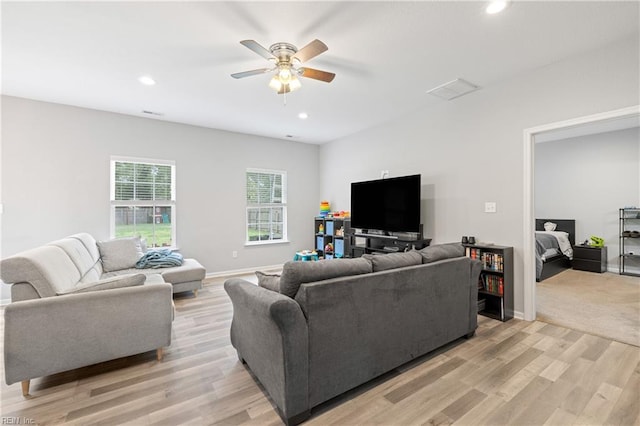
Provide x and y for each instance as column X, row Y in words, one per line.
column 490, row 207
column 234, row 254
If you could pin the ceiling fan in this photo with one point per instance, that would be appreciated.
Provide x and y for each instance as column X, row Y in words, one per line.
column 286, row 58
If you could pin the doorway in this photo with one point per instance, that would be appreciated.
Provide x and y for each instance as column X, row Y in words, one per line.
column 602, row 120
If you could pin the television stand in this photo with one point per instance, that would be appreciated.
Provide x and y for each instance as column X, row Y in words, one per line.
column 379, row 243
column 378, row 236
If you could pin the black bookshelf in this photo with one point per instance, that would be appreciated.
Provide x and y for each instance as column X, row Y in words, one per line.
column 495, row 284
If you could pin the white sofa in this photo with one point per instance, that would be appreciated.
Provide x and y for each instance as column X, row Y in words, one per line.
column 66, row 312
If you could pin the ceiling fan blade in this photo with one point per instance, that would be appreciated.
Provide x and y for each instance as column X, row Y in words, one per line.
column 311, row 50
column 250, row 73
column 317, row 74
column 253, row 45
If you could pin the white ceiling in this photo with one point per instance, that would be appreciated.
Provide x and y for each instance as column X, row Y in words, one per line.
column 386, row 56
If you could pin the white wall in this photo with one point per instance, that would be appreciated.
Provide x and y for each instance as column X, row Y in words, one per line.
column 55, row 180
column 588, row 178
column 470, row 150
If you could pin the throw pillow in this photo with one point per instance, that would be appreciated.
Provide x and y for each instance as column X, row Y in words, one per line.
column 269, row 281
column 121, row 253
column 550, row 226
column 382, row 262
column 119, row 281
column 441, row 251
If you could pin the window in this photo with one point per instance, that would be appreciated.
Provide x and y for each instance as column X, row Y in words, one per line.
column 266, row 206
column 143, row 202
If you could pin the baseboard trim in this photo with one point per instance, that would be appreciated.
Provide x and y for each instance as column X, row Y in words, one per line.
column 518, row 315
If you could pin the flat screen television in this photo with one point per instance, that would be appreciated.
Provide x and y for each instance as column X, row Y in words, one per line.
column 391, row 205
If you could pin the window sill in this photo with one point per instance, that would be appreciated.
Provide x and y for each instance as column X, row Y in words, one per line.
column 264, row 243
column 172, row 248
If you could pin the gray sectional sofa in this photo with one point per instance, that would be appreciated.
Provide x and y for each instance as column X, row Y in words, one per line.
column 322, row 328
column 71, row 307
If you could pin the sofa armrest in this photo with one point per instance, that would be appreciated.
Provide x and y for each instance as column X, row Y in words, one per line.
column 270, row 333
column 55, row 334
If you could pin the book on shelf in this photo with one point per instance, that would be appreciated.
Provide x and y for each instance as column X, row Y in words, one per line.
column 473, row 253
column 492, row 284
column 490, row 261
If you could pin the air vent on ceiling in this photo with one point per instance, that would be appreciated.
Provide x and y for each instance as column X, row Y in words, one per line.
column 159, row 114
column 453, row 89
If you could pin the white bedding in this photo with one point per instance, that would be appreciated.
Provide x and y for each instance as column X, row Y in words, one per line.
column 549, row 253
column 563, row 241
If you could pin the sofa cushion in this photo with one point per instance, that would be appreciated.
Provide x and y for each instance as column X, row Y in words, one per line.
column 91, row 245
column 190, row 270
column 78, row 253
column 441, row 251
column 382, row 262
column 295, row 273
column 121, row 253
column 269, row 281
column 120, row 281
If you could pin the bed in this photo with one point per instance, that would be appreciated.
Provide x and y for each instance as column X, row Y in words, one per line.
column 554, row 249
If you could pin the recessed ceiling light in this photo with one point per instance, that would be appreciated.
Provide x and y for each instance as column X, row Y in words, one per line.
column 303, row 116
column 496, row 7
column 146, row 80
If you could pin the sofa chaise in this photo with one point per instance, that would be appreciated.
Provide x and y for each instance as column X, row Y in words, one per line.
column 70, row 308
column 322, row 328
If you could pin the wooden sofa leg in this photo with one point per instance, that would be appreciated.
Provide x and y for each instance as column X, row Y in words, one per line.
column 159, row 353
column 25, row 387
column 195, row 293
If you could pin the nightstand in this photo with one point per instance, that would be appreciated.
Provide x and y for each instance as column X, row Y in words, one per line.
column 592, row 259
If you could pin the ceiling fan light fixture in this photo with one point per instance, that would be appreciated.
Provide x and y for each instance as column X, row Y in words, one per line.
column 275, row 83
column 284, row 81
column 294, row 83
column 284, row 74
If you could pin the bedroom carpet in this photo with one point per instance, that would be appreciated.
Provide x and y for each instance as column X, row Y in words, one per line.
column 606, row 305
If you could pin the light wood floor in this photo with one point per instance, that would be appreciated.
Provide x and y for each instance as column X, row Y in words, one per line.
column 513, row 373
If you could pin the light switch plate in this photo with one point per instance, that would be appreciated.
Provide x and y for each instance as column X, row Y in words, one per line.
column 490, row 207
